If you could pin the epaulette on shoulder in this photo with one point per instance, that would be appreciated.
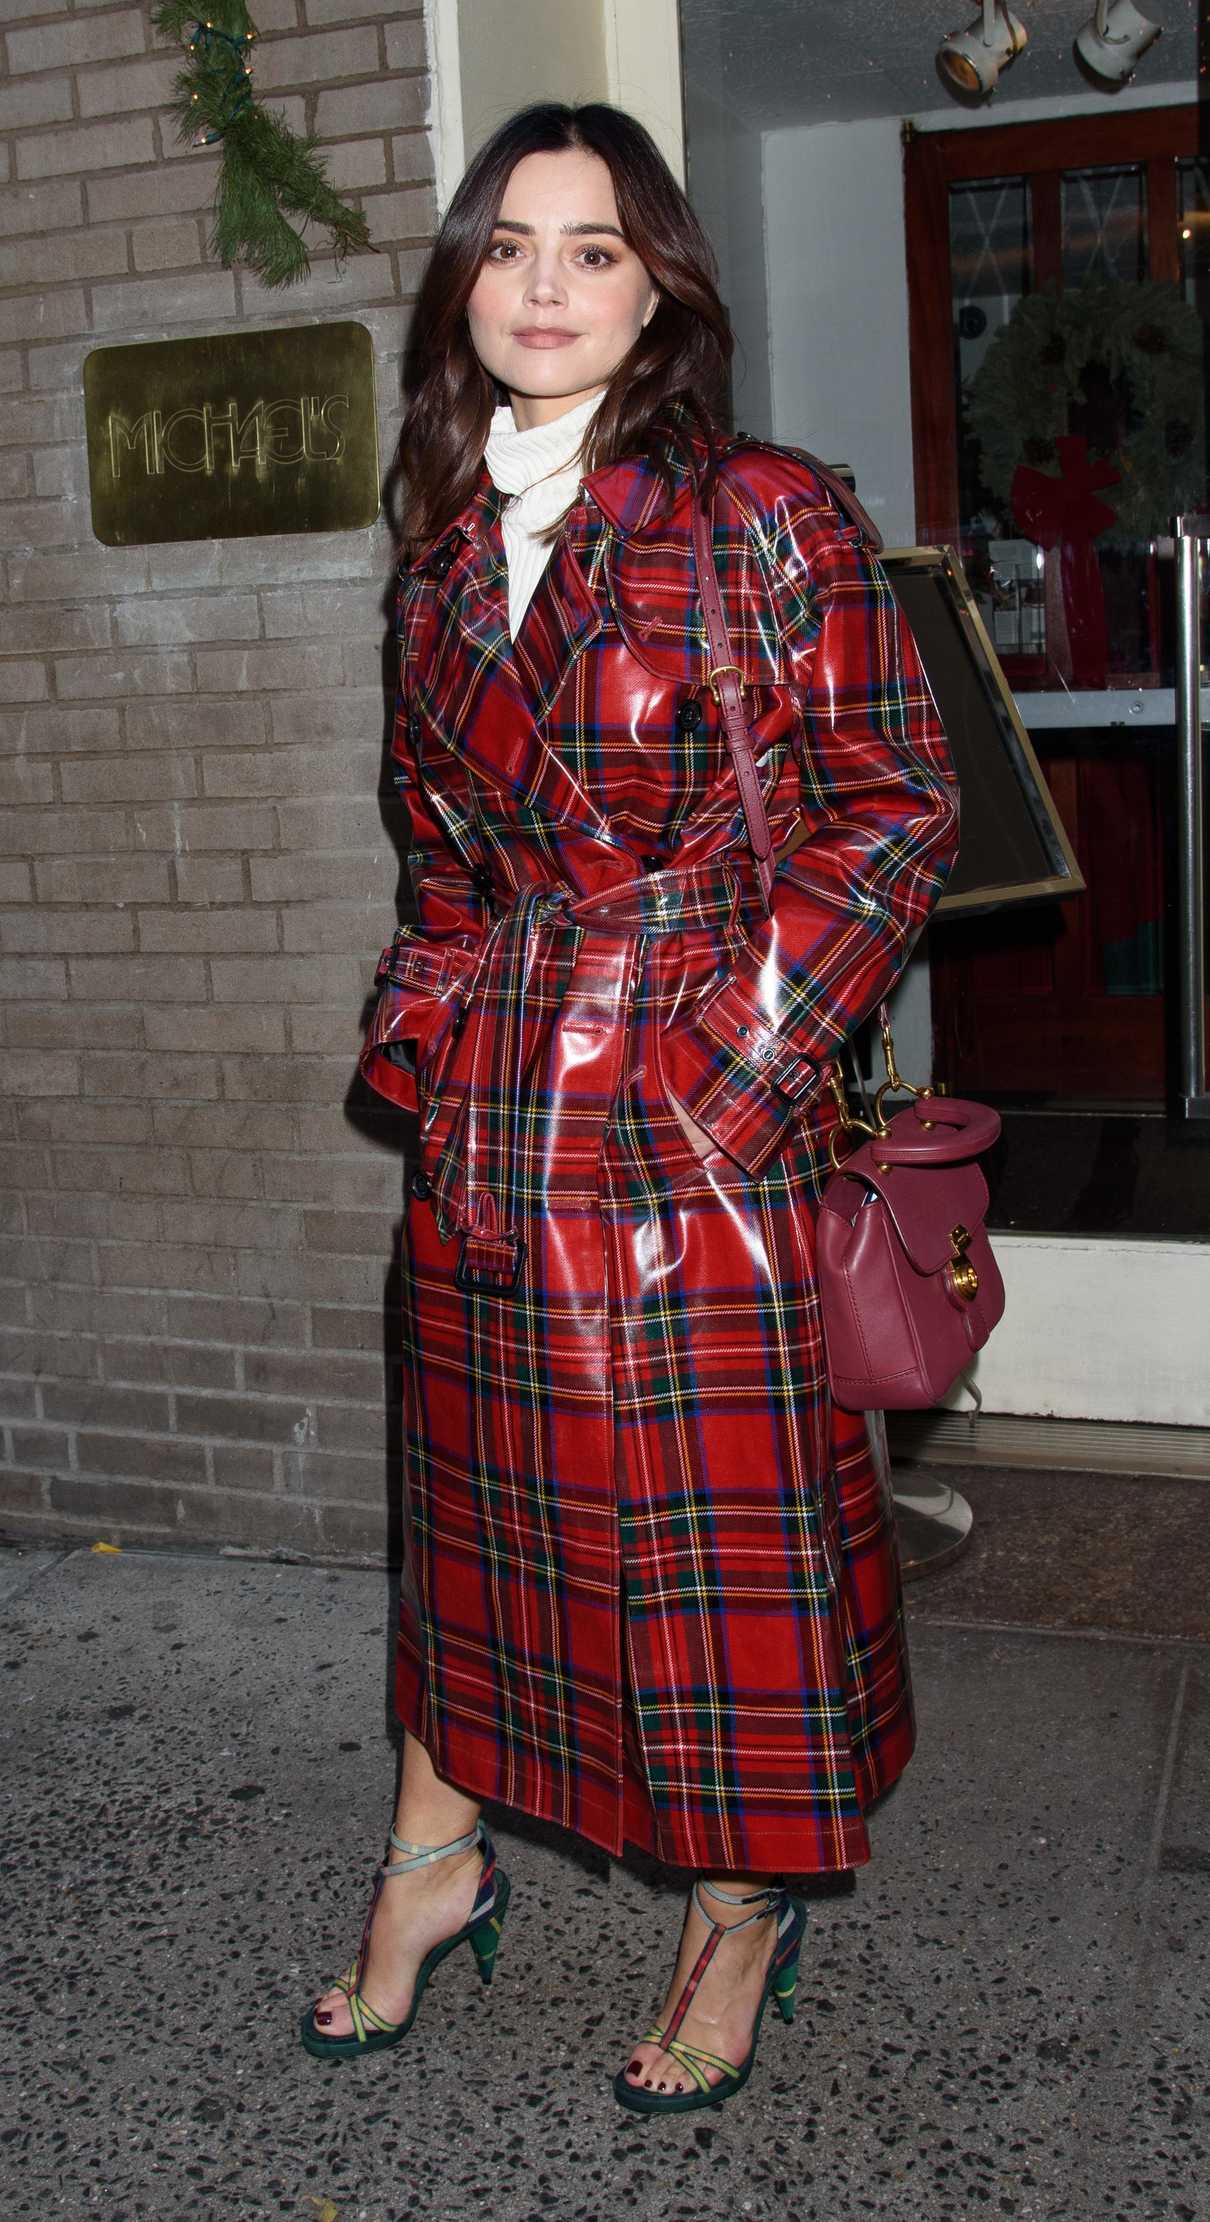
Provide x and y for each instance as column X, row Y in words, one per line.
column 763, row 479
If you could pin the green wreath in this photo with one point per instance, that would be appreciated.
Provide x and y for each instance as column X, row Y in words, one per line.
column 1128, row 354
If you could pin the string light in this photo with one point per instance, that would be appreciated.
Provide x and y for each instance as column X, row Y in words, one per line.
column 236, row 95
column 268, row 174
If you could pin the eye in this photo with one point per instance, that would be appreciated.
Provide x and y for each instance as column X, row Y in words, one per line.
column 606, row 261
column 494, row 251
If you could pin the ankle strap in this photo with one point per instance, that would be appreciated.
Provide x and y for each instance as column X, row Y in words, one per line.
column 766, row 1901
column 736, row 1898
column 423, row 1855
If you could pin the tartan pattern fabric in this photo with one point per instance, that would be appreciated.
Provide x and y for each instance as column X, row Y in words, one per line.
column 650, row 1590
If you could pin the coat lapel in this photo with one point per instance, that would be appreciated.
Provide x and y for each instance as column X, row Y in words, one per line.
column 565, row 615
column 476, row 693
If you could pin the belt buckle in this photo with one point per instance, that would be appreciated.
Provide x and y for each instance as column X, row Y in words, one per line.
column 487, row 1280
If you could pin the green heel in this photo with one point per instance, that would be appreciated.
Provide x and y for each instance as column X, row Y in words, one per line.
column 785, row 1987
column 485, row 1940
column 370, row 2033
column 780, row 1984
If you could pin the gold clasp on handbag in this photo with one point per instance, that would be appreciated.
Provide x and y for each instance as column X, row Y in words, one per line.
column 877, row 1128
column 963, row 1278
column 848, row 1126
column 894, row 1084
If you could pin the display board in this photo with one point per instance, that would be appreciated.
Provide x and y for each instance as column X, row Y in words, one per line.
column 1013, row 845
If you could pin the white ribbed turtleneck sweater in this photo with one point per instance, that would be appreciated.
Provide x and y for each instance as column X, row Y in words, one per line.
column 540, row 468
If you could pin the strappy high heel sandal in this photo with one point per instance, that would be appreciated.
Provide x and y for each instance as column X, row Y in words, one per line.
column 370, row 2033
column 791, row 1917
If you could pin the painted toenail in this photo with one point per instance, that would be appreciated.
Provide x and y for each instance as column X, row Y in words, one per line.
column 323, row 2020
column 635, row 2068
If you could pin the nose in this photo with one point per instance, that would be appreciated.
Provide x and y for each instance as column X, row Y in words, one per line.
column 546, row 286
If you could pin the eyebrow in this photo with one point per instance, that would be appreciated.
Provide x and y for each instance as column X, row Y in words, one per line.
column 509, row 223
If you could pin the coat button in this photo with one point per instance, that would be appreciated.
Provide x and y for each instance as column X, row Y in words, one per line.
column 442, row 557
column 481, row 881
column 420, row 1185
column 689, row 715
column 652, row 862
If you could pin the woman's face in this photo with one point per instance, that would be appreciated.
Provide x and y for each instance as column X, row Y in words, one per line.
column 560, row 297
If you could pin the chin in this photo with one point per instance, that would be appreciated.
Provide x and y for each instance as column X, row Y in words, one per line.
column 542, row 366
column 551, row 389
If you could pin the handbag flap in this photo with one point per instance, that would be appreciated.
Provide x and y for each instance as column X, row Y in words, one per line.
column 925, row 1204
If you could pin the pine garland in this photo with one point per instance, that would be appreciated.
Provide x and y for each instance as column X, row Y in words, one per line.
column 266, row 168
column 1032, row 376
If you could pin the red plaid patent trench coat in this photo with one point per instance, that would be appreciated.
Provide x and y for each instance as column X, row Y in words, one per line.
column 651, row 1590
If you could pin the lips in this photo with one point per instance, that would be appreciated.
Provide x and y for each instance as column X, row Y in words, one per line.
column 544, row 335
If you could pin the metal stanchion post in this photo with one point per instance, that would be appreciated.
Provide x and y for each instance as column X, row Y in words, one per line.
column 1191, row 534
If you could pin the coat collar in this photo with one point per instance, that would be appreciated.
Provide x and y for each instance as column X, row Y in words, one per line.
column 629, row 494
column 626, row 552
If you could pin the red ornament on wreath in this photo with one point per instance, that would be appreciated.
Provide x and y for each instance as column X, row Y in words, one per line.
column 1065, row 515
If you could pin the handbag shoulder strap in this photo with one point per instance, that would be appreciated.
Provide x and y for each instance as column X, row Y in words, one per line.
column 724, row 680
column 725, row 675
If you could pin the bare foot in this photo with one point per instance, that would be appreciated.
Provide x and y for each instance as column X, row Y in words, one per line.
column 415, row 1911
column 724, row 2005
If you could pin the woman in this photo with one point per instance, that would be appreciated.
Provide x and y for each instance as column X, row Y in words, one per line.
column 651, row 1591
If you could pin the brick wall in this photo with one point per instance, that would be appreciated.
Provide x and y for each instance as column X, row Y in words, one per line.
column 196, row 874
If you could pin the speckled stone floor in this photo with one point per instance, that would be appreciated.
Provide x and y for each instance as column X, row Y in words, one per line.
column 1009, row 2016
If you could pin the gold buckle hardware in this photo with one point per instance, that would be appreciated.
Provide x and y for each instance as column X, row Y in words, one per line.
column 712, row 677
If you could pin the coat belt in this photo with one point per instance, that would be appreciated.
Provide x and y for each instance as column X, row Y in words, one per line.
column 512, row 1001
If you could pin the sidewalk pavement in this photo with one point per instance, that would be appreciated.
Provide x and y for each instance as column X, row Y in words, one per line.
column 1010, row 2015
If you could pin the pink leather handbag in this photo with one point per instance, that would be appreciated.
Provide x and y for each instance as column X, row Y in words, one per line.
column 908, row 1286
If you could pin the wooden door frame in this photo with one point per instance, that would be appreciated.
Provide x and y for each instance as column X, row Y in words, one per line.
column 935, row 160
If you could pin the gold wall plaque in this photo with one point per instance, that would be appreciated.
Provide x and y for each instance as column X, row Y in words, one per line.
column 232, row 436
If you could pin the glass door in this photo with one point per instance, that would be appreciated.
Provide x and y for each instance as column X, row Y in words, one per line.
column 1059, row 414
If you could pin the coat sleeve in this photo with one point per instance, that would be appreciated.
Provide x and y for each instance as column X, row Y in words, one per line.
column 423, row 968
column 879, row 802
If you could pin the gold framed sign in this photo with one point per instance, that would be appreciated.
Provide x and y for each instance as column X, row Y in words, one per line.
column 233, row 435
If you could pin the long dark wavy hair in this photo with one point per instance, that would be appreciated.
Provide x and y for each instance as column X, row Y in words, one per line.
column 670, row 386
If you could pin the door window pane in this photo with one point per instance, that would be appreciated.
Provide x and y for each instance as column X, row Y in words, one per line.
column 1104, row 221
column 989, row 240
column 991, row 267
